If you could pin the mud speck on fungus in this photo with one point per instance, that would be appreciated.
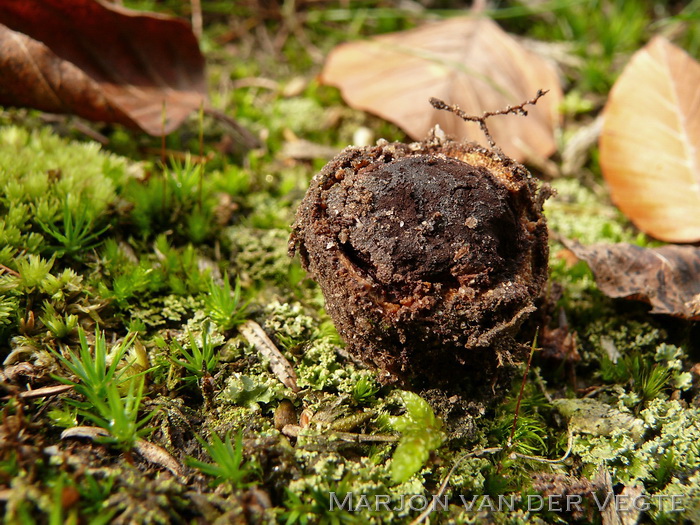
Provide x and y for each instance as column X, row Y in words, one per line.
column 429, row 256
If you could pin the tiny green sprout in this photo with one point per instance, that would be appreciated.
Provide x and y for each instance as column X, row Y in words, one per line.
column 226, row 309
column 228, row 465
column 32, row 271
column 8, row 309
column 60, row 326
column 421, row 433
column 76, row 233
column 200, row 359
column 647, row 379
column 650, row 381
column 183, row 180
column 199, row 223
column 119, row 415
column 528, row 433
column 65, row 417
column 94, row 491
column 126, row 286
column 99, row 382
column 364, row 390
column 91, row 368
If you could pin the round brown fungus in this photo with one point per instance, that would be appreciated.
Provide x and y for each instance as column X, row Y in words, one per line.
column 429, row 255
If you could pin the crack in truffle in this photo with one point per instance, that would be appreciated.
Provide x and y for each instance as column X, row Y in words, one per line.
column 423, row 218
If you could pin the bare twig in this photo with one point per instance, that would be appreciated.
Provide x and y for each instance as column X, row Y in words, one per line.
column 443, row 486
column 516, row 110
column 241, row 134
column 4, row 269
column 197, row 18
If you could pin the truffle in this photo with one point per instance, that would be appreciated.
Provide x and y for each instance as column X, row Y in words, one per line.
column 429, row 255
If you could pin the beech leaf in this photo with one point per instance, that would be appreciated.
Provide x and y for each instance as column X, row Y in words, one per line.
column 650, row 142
column 466, row 61
column 100, row 62
column 668, row 278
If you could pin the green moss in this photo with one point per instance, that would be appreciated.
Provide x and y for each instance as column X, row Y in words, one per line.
column 89, row 238
column 41, row 175
column 576, row 212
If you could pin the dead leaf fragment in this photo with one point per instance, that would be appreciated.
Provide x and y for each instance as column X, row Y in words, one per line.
column 668, row 278
column 650, row 142
column 466, row 61
column 157, row 455
column 100, row 62
column 279, row 364
column 147, row 450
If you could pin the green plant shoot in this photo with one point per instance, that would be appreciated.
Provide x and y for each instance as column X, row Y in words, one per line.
column 421, row 433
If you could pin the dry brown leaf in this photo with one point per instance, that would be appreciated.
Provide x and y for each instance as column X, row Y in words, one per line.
column 279, row 365
column 668, row 278
column 470, row 62
column 149, row 451
column 157, row 455
column 100, row 62
column 650, row 143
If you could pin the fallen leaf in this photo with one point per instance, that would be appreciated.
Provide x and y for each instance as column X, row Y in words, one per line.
column 279, row 365
column 44, row 391
column 100, row 62
column 650, row 142
column 148, row 451
column 466, row 61
column 85, row 432
column 668, row 278
column 157, row 455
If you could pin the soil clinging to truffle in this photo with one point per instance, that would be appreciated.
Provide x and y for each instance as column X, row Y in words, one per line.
column 429, row 255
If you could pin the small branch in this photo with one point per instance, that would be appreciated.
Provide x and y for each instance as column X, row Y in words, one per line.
column 196, row 18
column 4, row 269
column 493, row 450
column 516, row 110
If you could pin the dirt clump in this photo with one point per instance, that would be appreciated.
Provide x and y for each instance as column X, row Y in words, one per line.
column 429, row 256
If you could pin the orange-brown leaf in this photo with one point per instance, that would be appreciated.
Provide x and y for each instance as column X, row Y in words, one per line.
column 650, row 143
column 100, row 62
column 470, row 62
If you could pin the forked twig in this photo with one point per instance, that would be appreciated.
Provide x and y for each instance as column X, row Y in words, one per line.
column 516, row 110
column 493, row 450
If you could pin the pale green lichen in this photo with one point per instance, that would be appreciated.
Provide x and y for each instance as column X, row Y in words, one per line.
column 162, row 310
column 251, row 391
column 318, row 366
column 588, row 416
column 300, row 115
column 669, row 431
column 288, row 322
column 321, row 370
column 671, row 357
column 259, row 255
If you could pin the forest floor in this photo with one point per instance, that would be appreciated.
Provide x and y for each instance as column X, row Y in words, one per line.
column 145, row 285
